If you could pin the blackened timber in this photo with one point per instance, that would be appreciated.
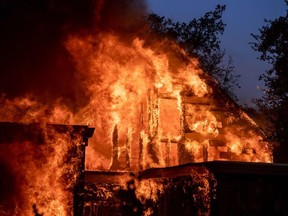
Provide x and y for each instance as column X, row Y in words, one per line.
column 128, row 150
column 169, row 140
column 205, row 152
column 219, row 168
column 105, row 176
column 199, row 100
column 153, row 125
column 115, row 161
column 216, row 143
column 199, row 136
column 141, row 156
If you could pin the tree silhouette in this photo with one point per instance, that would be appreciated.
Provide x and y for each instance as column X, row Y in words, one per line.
column 200, row 38
column 272, row 43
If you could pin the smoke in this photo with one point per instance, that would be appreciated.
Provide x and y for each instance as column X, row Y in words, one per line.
column 9, row 188
column 33, row 58
column 124, row 16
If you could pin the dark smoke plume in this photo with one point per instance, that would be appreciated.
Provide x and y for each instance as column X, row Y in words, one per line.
column 33, row 57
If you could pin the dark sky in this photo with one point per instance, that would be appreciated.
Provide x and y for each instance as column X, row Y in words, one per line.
column 242, row 18
column 34, row 59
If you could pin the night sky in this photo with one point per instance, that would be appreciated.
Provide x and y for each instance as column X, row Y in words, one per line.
column 33, row 57
column 242, row 18
column 34, row 60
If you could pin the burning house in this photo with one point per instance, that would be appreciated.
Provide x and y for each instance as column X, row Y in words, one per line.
column 181, row 116
column 162, row 109
column 181, row 125
column 163, row 127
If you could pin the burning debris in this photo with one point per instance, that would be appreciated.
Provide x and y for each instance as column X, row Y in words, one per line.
column 152, row 192
column 209, row 188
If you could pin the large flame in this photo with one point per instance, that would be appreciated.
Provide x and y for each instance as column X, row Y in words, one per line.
column 40, row 171
column 125, row 82
column 157, row 97
column 151, row 105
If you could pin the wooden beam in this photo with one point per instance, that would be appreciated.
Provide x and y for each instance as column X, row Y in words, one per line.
column 200, row 137
column 198, row 100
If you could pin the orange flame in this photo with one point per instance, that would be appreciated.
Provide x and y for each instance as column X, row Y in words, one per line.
column 42, row 174
column 151, row 105
column 157, row 97
column 139, row 85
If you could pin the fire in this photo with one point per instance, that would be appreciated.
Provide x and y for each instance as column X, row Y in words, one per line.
column 151, row 105
column 45, row 173
column 154, row 98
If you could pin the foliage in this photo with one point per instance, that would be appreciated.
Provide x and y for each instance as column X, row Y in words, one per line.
column 272, row 43
column 200, row 38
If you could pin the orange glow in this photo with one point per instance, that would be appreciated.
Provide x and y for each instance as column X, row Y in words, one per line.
column 151, row 106
column 156, row 102
column 43, row 175
column 169, row 119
